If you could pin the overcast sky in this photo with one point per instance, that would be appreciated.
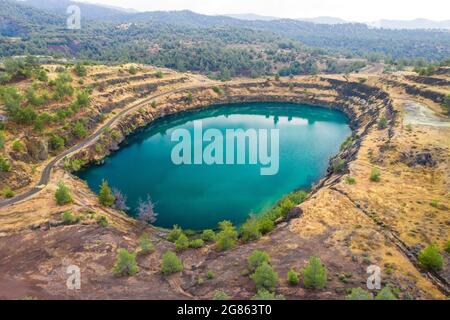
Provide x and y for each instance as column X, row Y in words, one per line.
column 353, row 10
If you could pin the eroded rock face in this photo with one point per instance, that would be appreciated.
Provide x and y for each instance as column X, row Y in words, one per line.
column 17, row 178
column 423, row 159
column 37, row 149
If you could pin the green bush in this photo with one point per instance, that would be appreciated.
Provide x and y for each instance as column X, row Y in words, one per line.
column 266, row 225
column 106, row 197
column 220, row 295
column 256, row 259
column 132, row 70
column 447, row 246
column 174, row 234
column 375, row 175
column 346, row 143
column 265, row 277
column 250, row 230
column 210, row 275
column 56, row 142
column 350, row 180
column 159, row 74
column 80, row 70
column 182, row 242
column 126, row 264
column 170, row 263
column 359, row 294
column 62, row 194
column 197, row 243
column 431, row 259
column 79, row 130
column 209, row 236
column 338, row 165
column 83, row 99
column 146, row 244
column 17, row 146
column 102, row 221
column 8, row 192
column 385, row 294
column 382, row 123
column 292, row 277
column 227, row 237
column 217, row 90
column 314, row 274
column 5, row 165
column 2, row 140
column 263, row 294
column 68, row 217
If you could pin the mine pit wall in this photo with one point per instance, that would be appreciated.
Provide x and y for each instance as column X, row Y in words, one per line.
column 363, row 105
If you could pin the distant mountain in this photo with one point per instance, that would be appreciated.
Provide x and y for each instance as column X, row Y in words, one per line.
column 411, row 24
column 251, row 17
column 88, row 10
column 324, row 20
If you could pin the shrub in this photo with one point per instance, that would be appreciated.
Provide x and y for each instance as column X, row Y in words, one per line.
column 159, row 74
column 314, row 274
column 209, row 236
column 263, row 294
column 359, row 294
column 292, row 277
column 256, row 259
column 227, row 237
column 146, row 244
column 338, row 165
column 350, row 180
column 56, row 142
column 197, row 243
column 102, row 221
column 266, row 225
column 265, row 278
column 286, row 206
column 431, row 259
column 5, row 165
column 17, row 146
column 80, row 70
column 132, row 70
column 105, row 197
column 79, row 130
column 170, row 263
column 182, row 243
column 42, row 75
column 8, row 192
column 62, row 194
column 83, row 99
column 67, row 217
column 189, row 98
column 382, row 123
column 447, row 246
column 220, row 295
column 217, row 90
column 250, row 230
column 2, row 140
column 210, row 275
column 126, row 263
column 375, row 175
column 385, row 294
column 174, row 234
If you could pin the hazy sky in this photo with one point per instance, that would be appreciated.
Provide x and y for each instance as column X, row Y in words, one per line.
column 354, row 10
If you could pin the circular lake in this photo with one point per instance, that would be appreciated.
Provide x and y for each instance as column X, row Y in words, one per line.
column 285, row 147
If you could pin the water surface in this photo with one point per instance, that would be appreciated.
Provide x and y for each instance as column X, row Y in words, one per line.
column 199, row 196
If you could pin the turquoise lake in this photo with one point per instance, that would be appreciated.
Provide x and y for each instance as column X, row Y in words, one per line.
column 198, row 196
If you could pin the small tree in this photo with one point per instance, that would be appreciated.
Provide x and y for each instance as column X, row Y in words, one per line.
column 197, row 243
column 175, row 233
column 106, row 197
column 120, row 200
column 62, row 194
column 385, row 294
column 292, row 277
column 146, row 244
column 256, row 259
column 80, row 70
column 266, row 225
column 359, row 294
column 382, row 123
column 146, row 211
column 126, row 263
column 265, row 278
column 431, row 259
column 227, row 237
column 314, row 274
column 182, row 242
column 208, row 236
column 375, row 175
column 170, row 263
column 250, row 230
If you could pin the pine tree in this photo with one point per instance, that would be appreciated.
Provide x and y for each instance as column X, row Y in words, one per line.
column 106, row 197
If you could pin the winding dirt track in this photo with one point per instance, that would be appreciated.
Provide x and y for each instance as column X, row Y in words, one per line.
column 46, row 173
